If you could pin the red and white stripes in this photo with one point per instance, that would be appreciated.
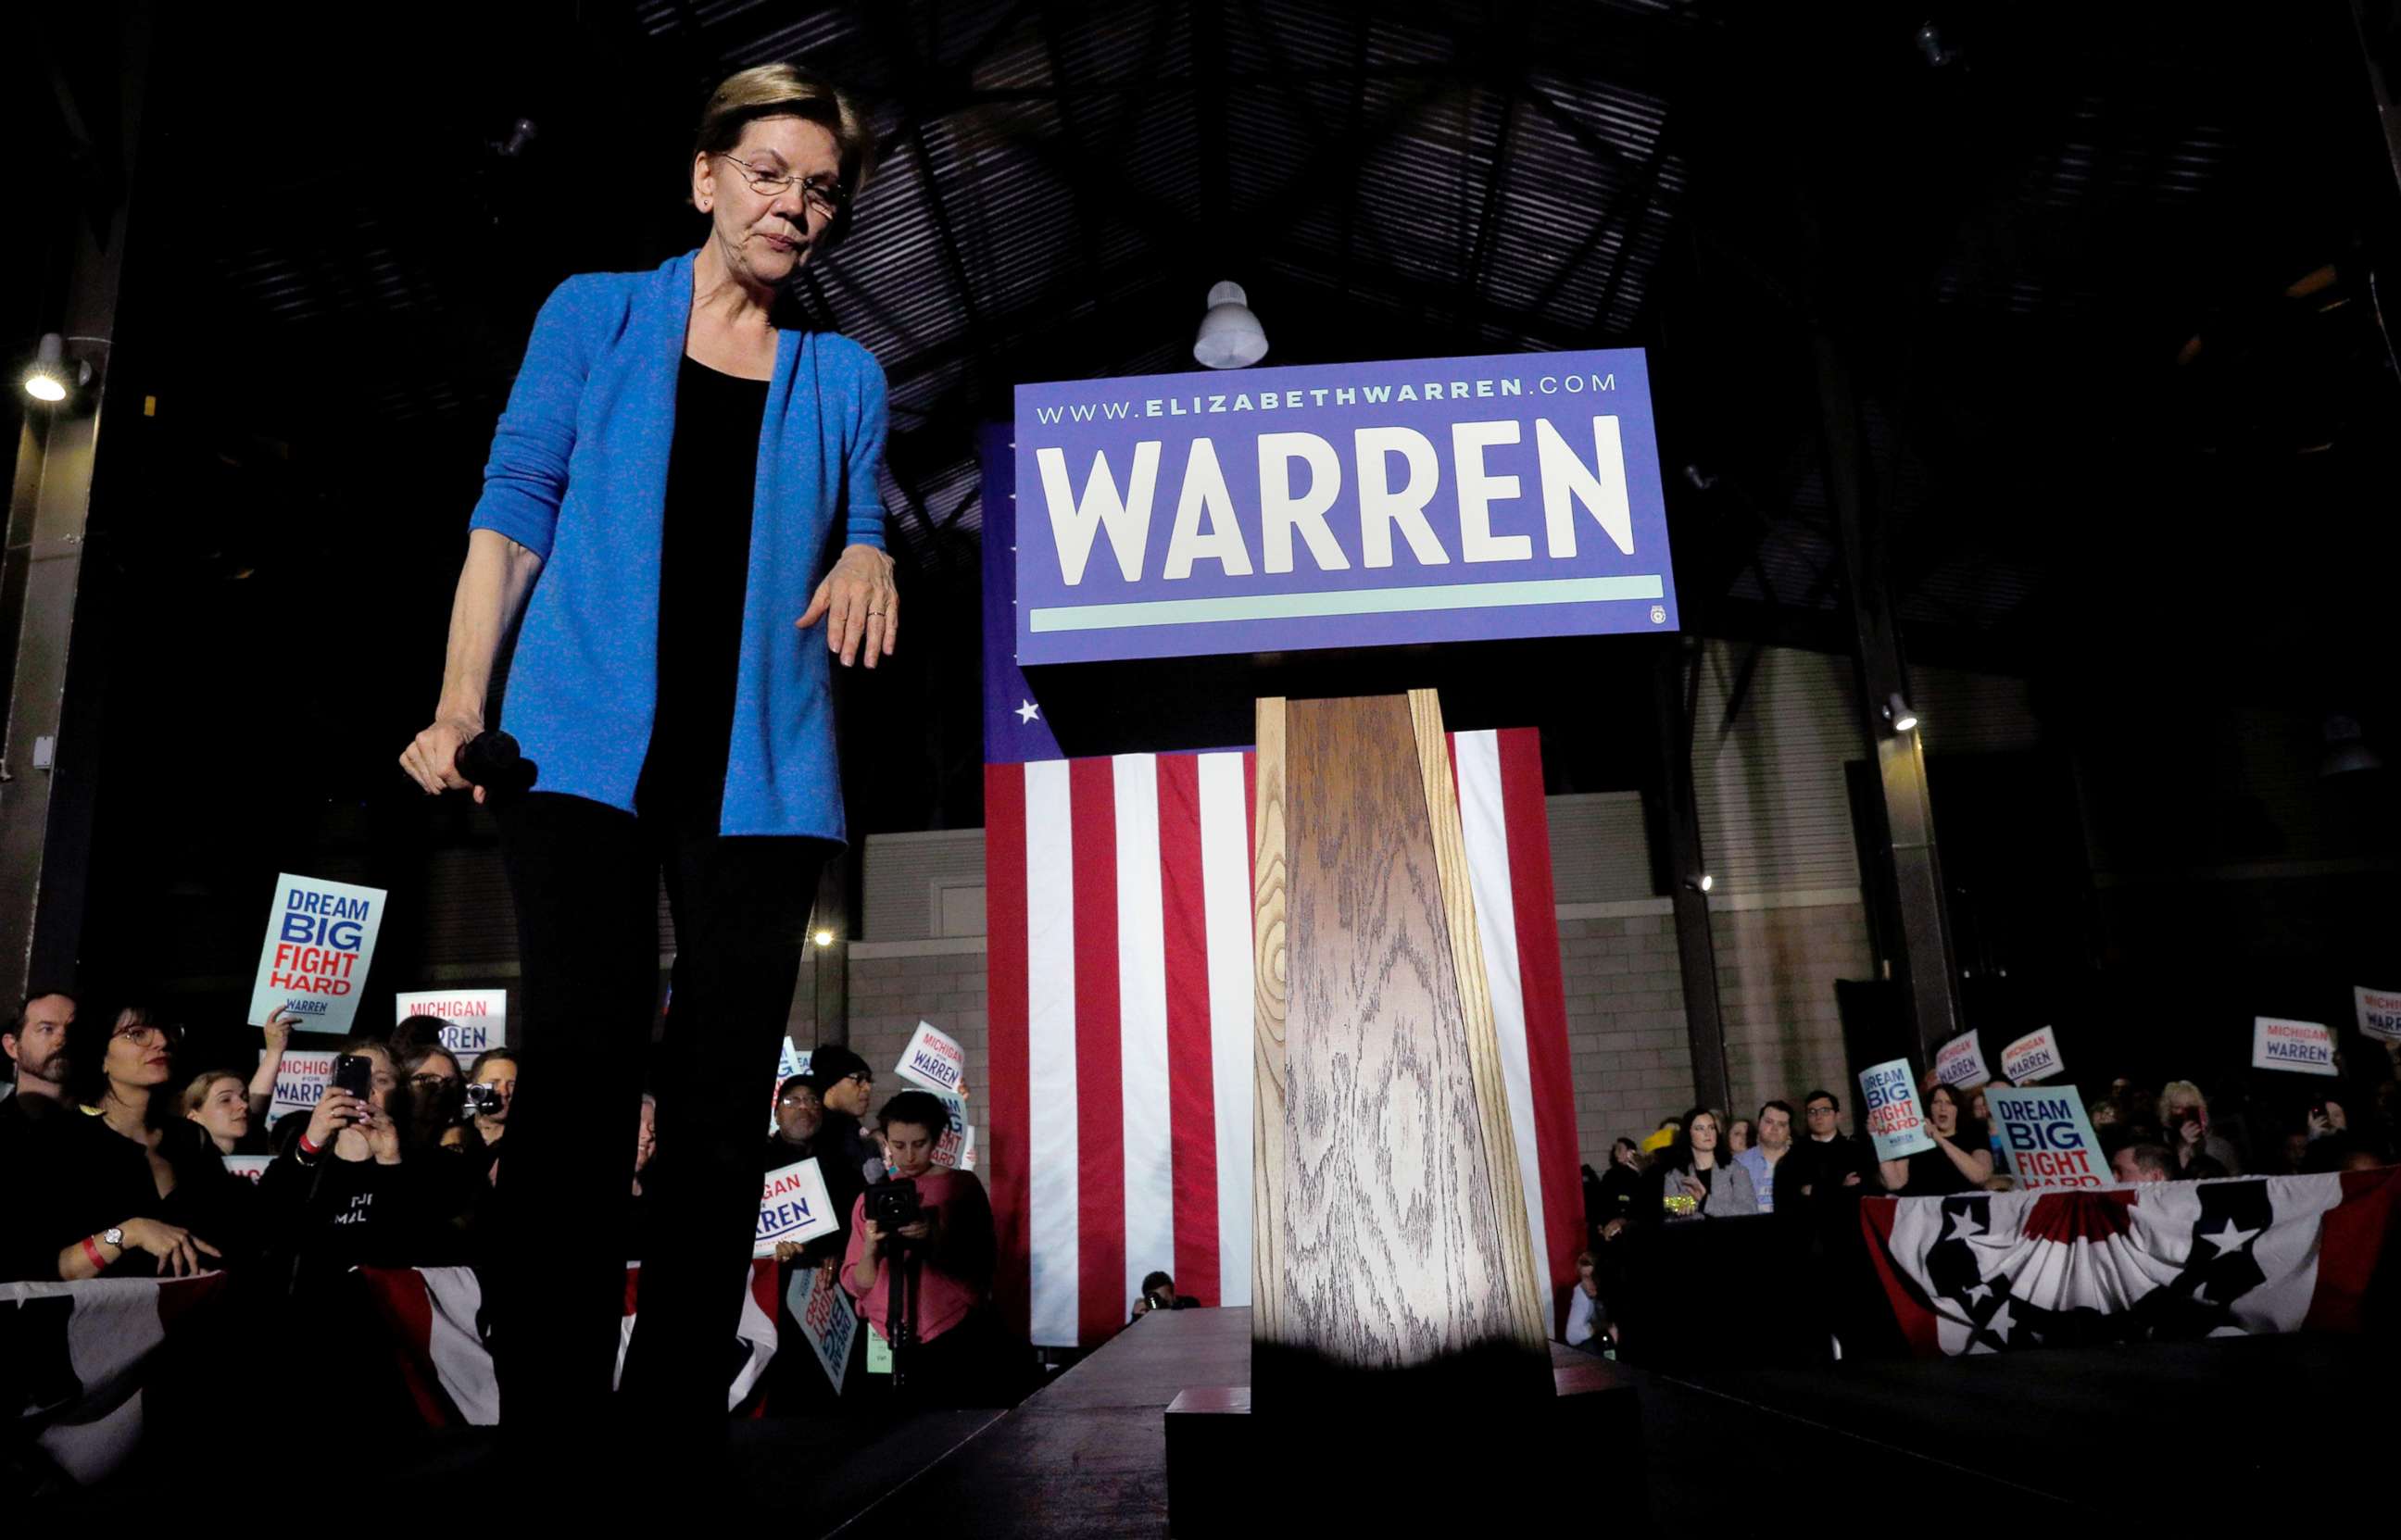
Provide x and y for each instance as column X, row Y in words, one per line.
column 1118, row 894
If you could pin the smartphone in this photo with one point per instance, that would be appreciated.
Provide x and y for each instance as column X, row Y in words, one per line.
column 355, row 1073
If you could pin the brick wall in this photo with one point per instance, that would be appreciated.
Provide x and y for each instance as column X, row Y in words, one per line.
column 896, row 985
column 1628, row 1051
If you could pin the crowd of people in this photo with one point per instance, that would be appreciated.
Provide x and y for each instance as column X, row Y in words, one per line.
column 125, row 1161
column 1701, row 1167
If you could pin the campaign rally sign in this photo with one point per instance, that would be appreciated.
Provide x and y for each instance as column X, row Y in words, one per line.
column 1888, row 1098
column 249, row 1167
column 2379, row 1012
column 1961, row 1062
column 478, row 1019
column 301, row 1076
column 933, row 1060
column 2307, row 1046
column 794, row 1206
column 826, row 1320
column 2045, row 1139
column 1339, row 505
column 2032, row 1058
column 955, row 1149
column 320, row 936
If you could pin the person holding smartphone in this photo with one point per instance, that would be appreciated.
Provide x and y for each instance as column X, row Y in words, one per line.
column 342, row 1193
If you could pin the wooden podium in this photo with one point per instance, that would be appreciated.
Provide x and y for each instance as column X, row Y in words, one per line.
column 1397, row 1307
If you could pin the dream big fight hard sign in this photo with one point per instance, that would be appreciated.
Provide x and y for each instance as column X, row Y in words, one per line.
column 1343, row 505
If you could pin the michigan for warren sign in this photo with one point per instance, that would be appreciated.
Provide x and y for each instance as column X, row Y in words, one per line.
column 1339, row 505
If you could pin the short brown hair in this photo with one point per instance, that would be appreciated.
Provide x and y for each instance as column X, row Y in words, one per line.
column 787, row 90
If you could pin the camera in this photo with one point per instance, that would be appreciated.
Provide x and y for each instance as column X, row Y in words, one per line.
column 355, row 1073
column 893, row 1204
column 480, row 1100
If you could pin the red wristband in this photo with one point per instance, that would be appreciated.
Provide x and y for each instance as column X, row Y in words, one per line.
column 308, row 1147
column 93, row 1252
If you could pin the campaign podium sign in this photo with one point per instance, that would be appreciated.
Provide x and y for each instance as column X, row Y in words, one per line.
column 2032, row 1058
column 476, row 1020
column 2304, row 1046
column 1961, row 1061
column 1349, row 505
column 301, row 1077
column 2045, row 1139
column 321, row 937
column 1888, row 1105
column 794, row 1205
column 933, row 1060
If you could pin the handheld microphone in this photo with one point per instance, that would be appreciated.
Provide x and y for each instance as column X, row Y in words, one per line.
column 492, row 760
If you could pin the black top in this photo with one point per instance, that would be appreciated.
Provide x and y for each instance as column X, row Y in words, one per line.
column 1932, row 1173
column 703, row 580
column 90, row 1177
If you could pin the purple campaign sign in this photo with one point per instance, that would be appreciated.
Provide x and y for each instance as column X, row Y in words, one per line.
column 1339, row 505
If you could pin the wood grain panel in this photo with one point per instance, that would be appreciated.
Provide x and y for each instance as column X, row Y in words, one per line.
column 1269, row 973
column 1380, row 1243
column 1524, row 1289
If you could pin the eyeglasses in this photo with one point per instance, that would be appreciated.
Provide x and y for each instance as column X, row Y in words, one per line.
column 1821, row 1111
column 431, row 1080
column 824, row 198
column 141, row 1034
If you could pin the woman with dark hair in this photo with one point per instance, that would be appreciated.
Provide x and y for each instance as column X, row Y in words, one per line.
column 681, row 509
column 1697, row 1178
column 1619, row 1192
column 131, row 1189
column 436, row 1097
column 1961, row 1160
column 950, row 1250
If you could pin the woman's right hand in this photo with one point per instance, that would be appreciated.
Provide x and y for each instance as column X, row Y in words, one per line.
column 431, row 757
column 280, row 1023
column 178, row 1251
column 336, row 1111
column 873, row 1232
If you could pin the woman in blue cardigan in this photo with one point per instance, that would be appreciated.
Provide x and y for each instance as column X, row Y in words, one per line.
column 681, row 505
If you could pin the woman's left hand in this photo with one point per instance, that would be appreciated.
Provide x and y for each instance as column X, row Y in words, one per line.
column 859, row 605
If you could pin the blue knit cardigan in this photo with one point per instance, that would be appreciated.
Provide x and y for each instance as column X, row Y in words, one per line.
column 578, row 475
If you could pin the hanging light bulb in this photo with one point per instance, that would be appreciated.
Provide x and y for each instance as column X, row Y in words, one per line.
column 1231, row 338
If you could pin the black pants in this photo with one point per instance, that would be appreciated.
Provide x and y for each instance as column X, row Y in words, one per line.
column 585, row 878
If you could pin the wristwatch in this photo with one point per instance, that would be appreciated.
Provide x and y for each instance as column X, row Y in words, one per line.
column 114, row 1236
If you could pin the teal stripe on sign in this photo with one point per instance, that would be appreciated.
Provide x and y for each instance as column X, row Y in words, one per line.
column 1374, row 601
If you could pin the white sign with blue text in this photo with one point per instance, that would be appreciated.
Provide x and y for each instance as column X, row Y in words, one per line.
column 2046, row 1139
column 794, row 1206
column 320, row 936
column 472, row 1019
column 1889, row 1107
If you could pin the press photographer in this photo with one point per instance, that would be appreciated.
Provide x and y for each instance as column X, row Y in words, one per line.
column 927, row 1232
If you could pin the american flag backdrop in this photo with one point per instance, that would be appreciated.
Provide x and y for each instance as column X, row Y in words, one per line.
column 1119, row 1089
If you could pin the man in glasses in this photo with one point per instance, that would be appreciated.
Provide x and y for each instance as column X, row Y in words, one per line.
column 1832, row 1164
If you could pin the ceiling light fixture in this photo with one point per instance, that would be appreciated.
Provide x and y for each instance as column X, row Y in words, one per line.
column 53, row 376
column 1897, row 712
column 1231, row 338
column 823, row 938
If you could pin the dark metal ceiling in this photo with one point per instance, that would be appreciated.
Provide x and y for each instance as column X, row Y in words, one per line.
column 2016, row 225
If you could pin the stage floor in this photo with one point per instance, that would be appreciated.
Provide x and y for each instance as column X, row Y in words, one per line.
column 2236, row 1425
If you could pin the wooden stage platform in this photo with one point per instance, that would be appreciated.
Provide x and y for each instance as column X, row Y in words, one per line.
column 2237, row 1421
